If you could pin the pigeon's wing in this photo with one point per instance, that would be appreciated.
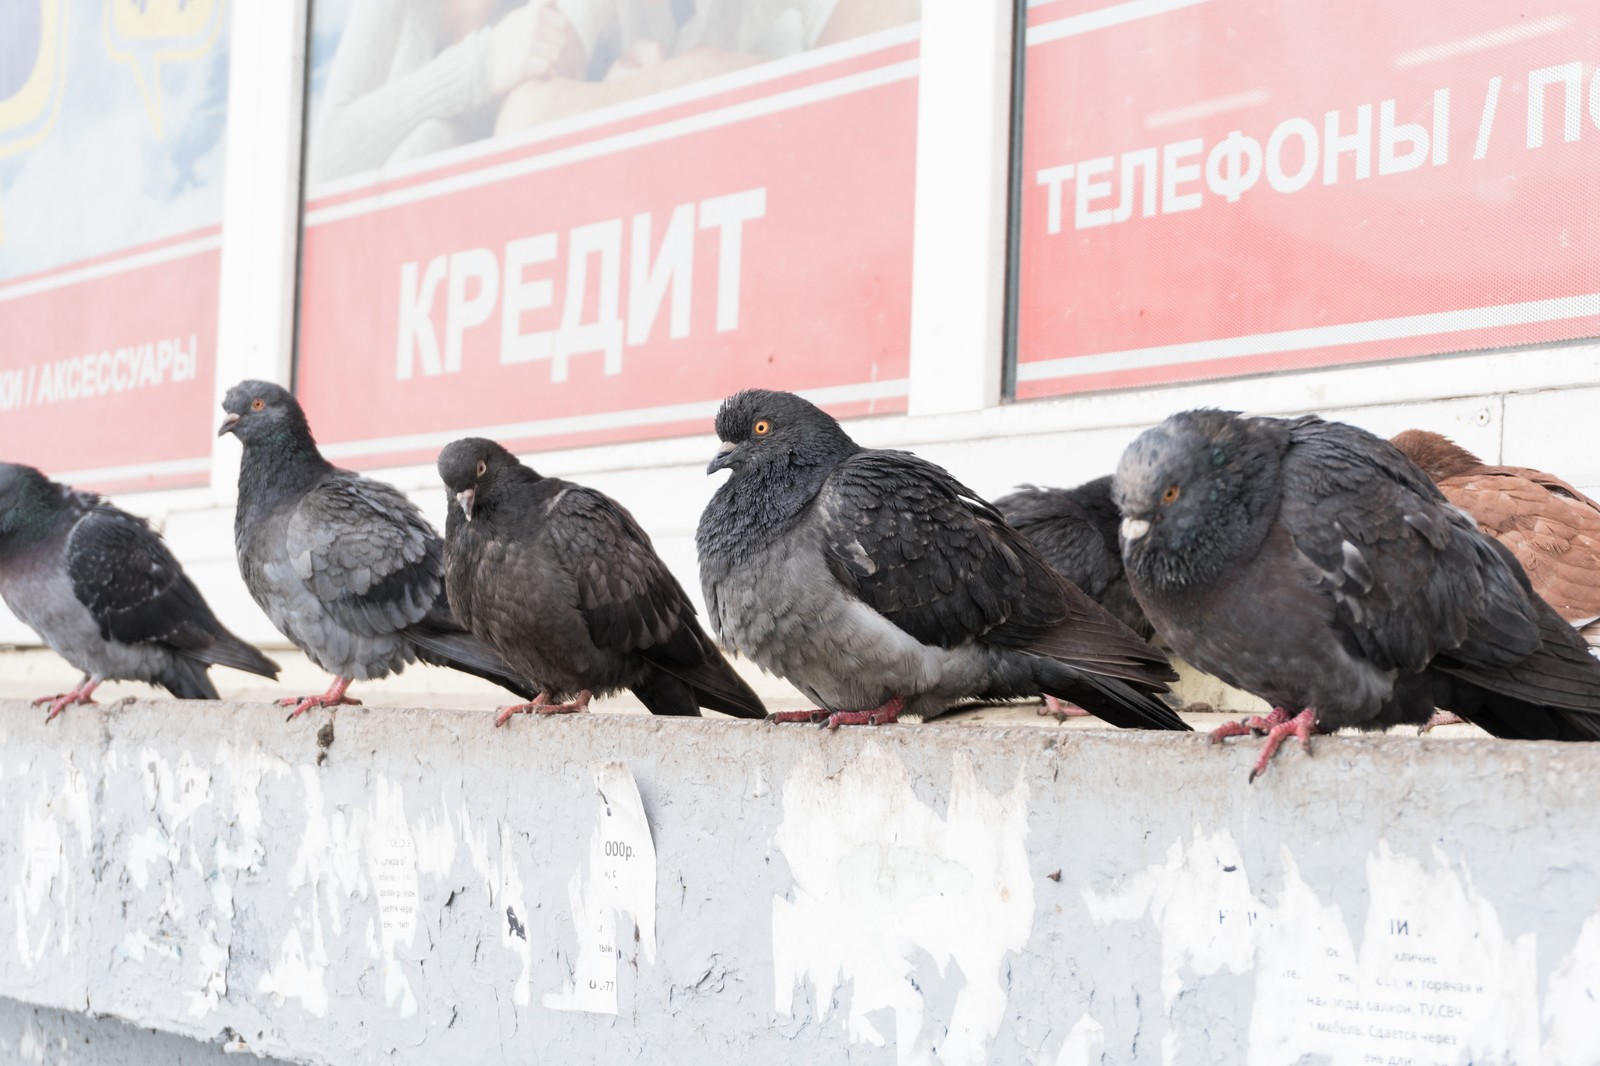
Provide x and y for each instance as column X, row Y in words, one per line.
column 628, row 598
column 128, row 579
column 366, row 553
column 1065, row 535
column 1551, row 527
column 920, row 548
column 1411, row 577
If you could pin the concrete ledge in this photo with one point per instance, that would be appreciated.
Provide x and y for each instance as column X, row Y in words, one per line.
column 416, row 886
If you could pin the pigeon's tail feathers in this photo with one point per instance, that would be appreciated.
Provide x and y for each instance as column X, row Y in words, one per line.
column 1097, row 643
column 661, row 693
column 1552, row 694
column 465, row 652
column 714, row 682
column 228, row 650
column 186, row 679
column 1109, row 698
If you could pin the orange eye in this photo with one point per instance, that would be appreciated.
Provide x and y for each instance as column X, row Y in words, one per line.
column 761, row 428
column 257, row 404
column 483, row 468
column 1171, row 493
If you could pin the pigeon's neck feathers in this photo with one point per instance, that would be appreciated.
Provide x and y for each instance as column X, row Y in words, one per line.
column 42, row 507
column 286, row 464
column 764, row 502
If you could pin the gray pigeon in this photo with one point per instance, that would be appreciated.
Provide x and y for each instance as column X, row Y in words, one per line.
column 1076, row 531
column 101, row 588
column 346, row 567
column 1313, row 564
column 561, row 581
column 881, row 586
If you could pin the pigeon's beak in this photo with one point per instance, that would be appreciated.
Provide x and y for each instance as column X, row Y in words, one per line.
column 1134, row 528
column 227, row 425
column 724, row 457
column 465, row 498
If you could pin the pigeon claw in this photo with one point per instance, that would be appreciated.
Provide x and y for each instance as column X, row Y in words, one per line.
column 1061, row 711
column 331, row 698
column 883, row 715
column 1440, row 718
column 1255, row 725
column 1301, row 725
column 798, row 716
column 541, row 704
column 81, row 693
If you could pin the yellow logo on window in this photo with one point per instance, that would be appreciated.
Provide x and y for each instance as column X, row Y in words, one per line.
column 147, row 33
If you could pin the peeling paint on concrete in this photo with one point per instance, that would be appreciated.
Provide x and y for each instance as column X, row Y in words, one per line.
column 901, row 894
column 881, row 878
column 612, row 896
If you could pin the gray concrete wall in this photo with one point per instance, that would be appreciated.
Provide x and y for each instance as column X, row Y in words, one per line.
column 418, row 887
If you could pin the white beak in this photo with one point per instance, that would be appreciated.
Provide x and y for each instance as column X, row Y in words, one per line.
column 1134, row 528
column 465, row 498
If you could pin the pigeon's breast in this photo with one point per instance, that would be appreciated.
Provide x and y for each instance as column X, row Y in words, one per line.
column 39, row 592
column 783, row 608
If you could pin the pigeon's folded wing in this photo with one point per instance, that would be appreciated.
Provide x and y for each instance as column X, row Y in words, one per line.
column 132, row 585
column 366, row 553
column 1066, row 535
column 919, row 548
column 628, row 598
column 1551, row 527
column 1410, row 575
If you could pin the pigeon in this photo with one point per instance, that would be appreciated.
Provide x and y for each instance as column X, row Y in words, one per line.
column 565, row 585
column 103, row 590
column 1076, row 532
column 1312, row 564
column 1551, row 527
column 346, row 567
column 881, row 586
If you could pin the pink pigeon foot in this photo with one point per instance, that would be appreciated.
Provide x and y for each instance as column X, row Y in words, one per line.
column 883, row 715
column 1254, row 725
column 331, row 698
column 80, row 693
column 1440, row 718
column 1301, row 725
column 1060, row 711
column 541, row 704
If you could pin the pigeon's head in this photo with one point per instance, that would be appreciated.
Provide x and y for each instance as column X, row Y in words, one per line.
column 1438, row 456
column 261, row 411
column 471, row 468
column 765, row 430
column 1189, row 491
column 28, row 500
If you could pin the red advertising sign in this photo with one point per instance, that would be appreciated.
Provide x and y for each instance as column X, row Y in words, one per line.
column 614, row 275
column 111, row 138
column 1220, row 187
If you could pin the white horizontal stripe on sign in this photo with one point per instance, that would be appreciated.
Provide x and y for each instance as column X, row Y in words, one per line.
column 771, row 70
column 1482, row 42
column 1115, row 15
column 181, row 250
column 1220, row 105
column 646, row 416
column 1295, row 340
column 136, row 471
column 604, row 146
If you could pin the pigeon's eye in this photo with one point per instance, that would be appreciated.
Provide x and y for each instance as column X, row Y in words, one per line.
column 1171, row 494
column 483, row 468
column 257, row 404
column 761, row 428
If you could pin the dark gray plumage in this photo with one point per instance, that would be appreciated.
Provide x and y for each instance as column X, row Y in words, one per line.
column 101, row 588
column 1313, row 564
column 562, row 582
column 880, row 585
column 346, row 567
column 1076, row 531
